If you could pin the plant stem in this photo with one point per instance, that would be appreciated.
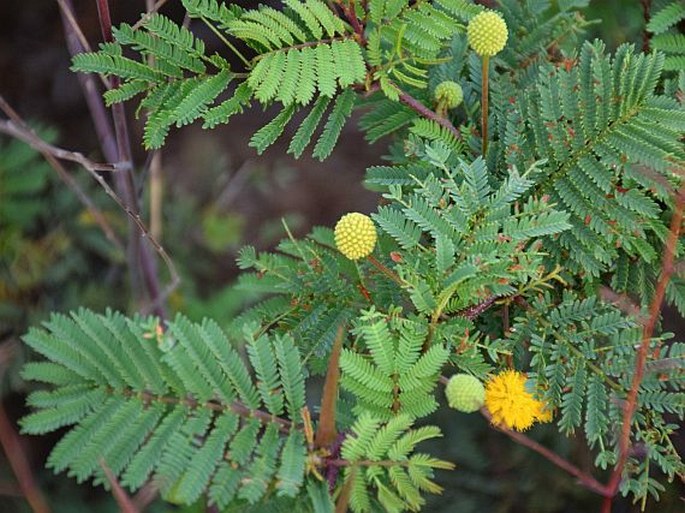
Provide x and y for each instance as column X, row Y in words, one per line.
column 584, row 478
column 424, row 111
column 484, row 103
column 18, row 128
column 390, row 274
column 630, row 405
column 141, row 263
column 237, row 407
column 646, row 35
column 19, row 464
column 326, row 432
column 225, row 41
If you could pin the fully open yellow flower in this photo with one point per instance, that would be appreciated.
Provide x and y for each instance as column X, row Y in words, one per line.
column 511, row 405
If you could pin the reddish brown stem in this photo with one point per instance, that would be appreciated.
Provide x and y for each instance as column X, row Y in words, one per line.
column 125, row 503
column 584, row 478
column 142, row 264
column 419, row 107
column 630, row 404
column 20, row 466
column 382, row 268
column 326, row 432
column 351, row 15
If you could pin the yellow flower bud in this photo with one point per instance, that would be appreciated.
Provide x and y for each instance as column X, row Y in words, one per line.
column 355, row 235
column 487, row 33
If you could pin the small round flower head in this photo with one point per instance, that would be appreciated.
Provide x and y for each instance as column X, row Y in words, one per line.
column 510, row 404
column 465, row 393
column 449, row 93
column 355, row 235
column 487, row 33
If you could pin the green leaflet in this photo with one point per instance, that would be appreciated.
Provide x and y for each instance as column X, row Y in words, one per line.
column 119, row 414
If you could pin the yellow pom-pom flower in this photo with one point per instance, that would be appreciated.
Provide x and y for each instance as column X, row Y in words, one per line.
column 355, row 235
column 511, row 405
column 487, row 33
column 465, row 393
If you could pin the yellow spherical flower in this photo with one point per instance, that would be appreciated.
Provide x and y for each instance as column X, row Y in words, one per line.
column 487, row 33
column 355, row 235
column 510, row 404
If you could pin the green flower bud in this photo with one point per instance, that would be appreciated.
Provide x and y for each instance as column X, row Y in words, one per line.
column 465, row 393
column 449, row 94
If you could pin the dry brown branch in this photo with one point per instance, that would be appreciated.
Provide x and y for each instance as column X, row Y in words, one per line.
column 18, row 128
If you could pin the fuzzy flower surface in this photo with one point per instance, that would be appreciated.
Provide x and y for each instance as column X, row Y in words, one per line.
column 487, row 33
column 449, row 93
column 511, row 405
column 355, row 235
column 465, row 393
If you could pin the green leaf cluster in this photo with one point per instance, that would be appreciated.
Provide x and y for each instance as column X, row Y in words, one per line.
column 179, row 406
column 379, row 459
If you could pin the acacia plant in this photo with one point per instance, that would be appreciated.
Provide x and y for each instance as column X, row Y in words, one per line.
column 527, row 234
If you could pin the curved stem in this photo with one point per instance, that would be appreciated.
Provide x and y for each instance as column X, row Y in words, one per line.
column 419, row 107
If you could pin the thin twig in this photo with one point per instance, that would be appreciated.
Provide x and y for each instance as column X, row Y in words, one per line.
column 630, row 404
column 646, row 36
column 150, row 10
column 67, row 11
column 17, row 128
column 237, row 407
column 584, row 478
column 141, row 263
column 9, row 439
column 76, row 44
column 8, row 128
column 17, row 131
column 424, row 111
column 125, row 502
column 39, row 144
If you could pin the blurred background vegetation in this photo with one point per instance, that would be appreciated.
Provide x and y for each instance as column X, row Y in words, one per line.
column 218, row 196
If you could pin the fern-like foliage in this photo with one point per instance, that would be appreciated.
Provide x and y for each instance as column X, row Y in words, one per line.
column 396, row 378
column 601, row 124
column 379, row 456
column 172, row 74
column 459, row 243
column 583, row 358
column 666, row 37
column 178, row 406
